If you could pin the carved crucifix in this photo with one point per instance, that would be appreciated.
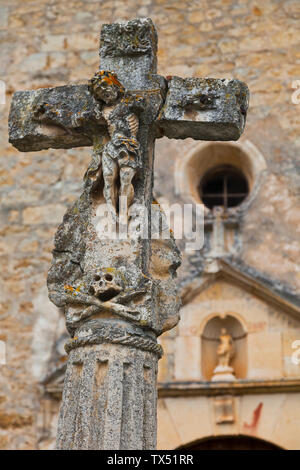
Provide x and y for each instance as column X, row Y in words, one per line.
column 118, row 295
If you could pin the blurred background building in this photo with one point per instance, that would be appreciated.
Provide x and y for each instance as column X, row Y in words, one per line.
column 246, row 277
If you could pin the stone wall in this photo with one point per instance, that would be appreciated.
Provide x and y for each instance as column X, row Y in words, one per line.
column 50, row 43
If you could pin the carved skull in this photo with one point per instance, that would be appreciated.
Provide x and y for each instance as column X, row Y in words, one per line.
column 106, row 284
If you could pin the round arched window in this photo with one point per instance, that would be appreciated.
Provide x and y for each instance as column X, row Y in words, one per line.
column 224, row 186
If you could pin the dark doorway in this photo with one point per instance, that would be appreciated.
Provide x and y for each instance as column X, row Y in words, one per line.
column 231, row 443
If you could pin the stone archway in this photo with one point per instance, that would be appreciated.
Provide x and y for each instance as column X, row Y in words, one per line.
column 238, row 442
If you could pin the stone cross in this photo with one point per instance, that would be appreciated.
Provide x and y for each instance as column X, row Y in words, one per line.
column 118, row 294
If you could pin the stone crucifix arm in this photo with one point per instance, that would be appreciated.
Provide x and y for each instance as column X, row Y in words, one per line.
column 49, row 118
column 204, row 109
column 200, row 108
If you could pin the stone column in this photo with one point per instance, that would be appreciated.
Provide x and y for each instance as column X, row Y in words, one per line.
column 118, row 293
column 109, row 398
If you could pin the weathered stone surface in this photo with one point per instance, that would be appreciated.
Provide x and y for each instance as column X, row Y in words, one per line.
column 129, row 49
column 114, row 386
column 44, row 118
column 204, row 109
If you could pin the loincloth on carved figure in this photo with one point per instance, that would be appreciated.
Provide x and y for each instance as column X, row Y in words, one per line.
column 125, row 150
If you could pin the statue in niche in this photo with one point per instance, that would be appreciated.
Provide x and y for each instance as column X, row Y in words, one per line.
column 225, row 352
column 225, row 349
column 121, row 157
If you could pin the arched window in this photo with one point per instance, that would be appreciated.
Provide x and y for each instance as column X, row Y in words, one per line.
column 219, row 173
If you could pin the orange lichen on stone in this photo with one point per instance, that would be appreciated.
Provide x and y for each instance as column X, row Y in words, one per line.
column 69, row 288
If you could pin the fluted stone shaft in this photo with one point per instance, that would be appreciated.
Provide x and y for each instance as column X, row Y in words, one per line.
column 109, row 399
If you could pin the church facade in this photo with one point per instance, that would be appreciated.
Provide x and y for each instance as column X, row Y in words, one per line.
column 257, row 407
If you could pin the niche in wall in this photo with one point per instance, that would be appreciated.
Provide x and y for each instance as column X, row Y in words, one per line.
column 210, row 341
